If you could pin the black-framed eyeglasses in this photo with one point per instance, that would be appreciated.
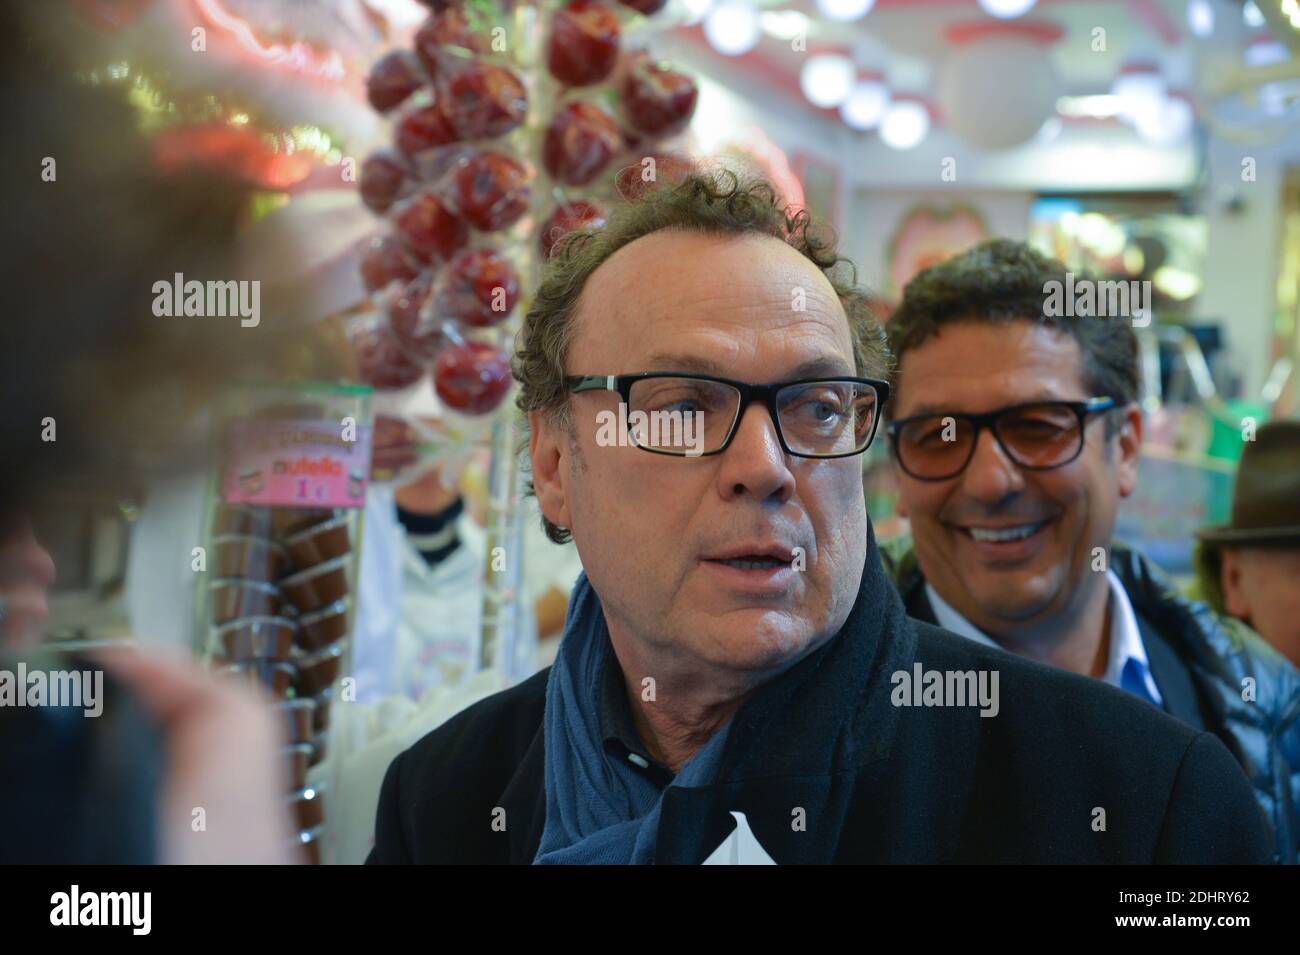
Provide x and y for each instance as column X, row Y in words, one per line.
column 691, row 415
column 1037, row 436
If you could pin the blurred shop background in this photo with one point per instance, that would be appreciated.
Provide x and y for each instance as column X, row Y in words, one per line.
column 1144, row 140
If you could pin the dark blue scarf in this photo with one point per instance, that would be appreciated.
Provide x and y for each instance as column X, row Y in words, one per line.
column 598, row 808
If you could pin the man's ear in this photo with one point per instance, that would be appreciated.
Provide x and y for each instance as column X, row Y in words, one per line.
column 900, row 500
column 1129, row 444
column 1234, row 595
column 548, row 446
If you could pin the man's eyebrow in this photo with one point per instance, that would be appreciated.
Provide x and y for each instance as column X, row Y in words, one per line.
column 824, row 366
column 942, row 408
column 671, row 361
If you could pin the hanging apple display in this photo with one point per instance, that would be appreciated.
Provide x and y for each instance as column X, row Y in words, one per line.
column 512, row 125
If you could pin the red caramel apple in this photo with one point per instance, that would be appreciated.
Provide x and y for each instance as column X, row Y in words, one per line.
column 478, row 287
column 428, row 228
column 422, row 129
column 492, row 190
column 383, row 261
column 383, row 175
column 565, row 219
column 580, row 141
column 482, row 100
column 382, row 362
column 472, row 378
column 448, row 28
column 392, row 79
column 583, row 44
column 658, row 100
column 419, row 332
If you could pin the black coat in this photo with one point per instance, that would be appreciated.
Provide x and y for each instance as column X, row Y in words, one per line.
column 824, row 745
column 1200, row 661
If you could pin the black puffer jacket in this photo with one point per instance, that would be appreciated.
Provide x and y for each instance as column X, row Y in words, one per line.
column 1208, row 667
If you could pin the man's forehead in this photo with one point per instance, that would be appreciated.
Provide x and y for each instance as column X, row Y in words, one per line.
column 976, row 366
column 682, row 281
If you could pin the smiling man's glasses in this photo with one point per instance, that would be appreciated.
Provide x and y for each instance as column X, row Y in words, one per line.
column 1037, row 436
column 815, row 417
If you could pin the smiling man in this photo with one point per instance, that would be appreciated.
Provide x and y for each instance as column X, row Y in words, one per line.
column 1015, row 434
column 733, row 645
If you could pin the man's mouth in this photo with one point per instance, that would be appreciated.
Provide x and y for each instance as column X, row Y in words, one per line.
column 760, row 568
column 754, row 563
column 1006, row 534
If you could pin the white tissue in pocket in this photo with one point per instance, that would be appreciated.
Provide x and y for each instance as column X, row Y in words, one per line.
column 741, row 847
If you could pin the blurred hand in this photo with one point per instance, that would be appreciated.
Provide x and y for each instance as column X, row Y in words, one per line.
column 427, row 494
column 393, row 449
column 26, row 576
column 223, row 756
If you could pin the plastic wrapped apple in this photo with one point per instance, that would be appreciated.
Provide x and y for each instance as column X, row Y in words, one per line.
column 383, row 174
column 583, row 45
column 472, row 378
column 481, row 100
column 567, row 218
column 412, row 323
column 423, row 129
column 382, row 362
column 383, row 262
column 650, row 172
column 657, row 99
column 447, row 28
column 392, row 80
column 646, row 7
column 478, row 287
column 427, row 228
column 492, row 190
column 580, row 141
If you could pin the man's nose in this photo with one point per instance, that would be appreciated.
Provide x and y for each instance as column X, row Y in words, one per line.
column 991, row 475
column 754, row 463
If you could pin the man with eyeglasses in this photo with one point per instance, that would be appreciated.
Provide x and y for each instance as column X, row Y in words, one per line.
column 737, row 679
column 1015, row 433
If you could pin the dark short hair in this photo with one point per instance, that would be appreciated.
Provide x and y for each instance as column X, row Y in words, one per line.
column 1004, row 281
column 717, row 202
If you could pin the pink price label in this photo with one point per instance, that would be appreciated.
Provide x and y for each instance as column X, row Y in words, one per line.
column 296, row 463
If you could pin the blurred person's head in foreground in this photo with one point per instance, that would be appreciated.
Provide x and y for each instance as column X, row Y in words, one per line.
column 1015, row 434
column 1250, row 567
column 700, row 379
column 98, row 394
column 96, row 387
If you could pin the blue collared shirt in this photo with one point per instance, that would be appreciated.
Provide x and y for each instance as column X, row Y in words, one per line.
column 1127, row 666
